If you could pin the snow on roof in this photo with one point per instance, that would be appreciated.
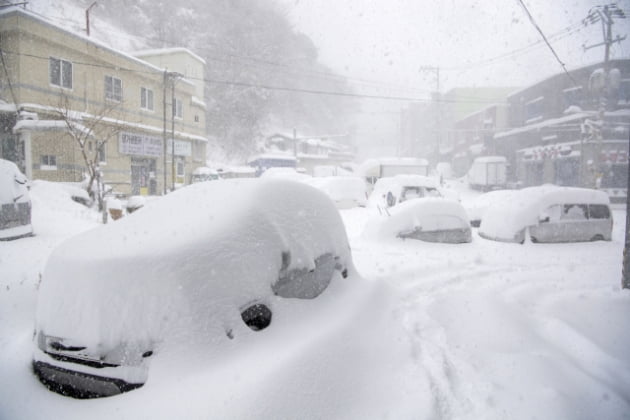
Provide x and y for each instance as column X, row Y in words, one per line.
column 184, row 281
column 27, row 14
column 41, row 125
column 279, row 156
column 544, row 123
column 168, row 51
column 126, row 124
column 199, row 102
column 6, row 107
column 509, row 217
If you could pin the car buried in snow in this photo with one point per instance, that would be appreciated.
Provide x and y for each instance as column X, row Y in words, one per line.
column 432, row 219
column 115, row 299
column 549, row 213
column 15, row 203
column 390, row 191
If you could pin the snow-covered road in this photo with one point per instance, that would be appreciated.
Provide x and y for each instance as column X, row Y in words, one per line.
column 481, row 330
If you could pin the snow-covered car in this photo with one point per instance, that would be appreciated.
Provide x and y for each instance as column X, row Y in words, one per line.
column 432, row 219
column 478, row 207
column 550, row 214
column 344, row 191
column 116, row 298
column 15, row 203
column 202, row 174
column 389, row 191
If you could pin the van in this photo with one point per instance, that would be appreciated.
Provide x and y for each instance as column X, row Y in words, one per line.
column 550, row 214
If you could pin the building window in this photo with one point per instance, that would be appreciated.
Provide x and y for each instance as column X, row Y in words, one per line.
column 573, row 97
column 146, row 99
column 180, row 168
column 178, row 108
column 534, row 110
column 102, row 156
column 113, row 89
column 48, row 163
column 60, row 73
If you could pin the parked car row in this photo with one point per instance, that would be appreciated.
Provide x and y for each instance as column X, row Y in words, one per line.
column 225, row 272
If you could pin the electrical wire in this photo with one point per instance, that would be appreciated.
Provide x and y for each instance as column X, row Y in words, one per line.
column 271, row 87
column 531, row 18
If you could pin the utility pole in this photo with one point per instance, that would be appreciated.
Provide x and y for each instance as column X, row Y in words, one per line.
column 606, row 15
column 164, row 120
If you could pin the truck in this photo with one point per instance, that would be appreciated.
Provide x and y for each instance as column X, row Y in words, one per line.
column 374, row 169
column 488, row 173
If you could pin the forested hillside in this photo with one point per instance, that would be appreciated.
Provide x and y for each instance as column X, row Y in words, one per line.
column 250, row 48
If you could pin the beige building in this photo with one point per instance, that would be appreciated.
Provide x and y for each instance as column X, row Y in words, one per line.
column 63, row 95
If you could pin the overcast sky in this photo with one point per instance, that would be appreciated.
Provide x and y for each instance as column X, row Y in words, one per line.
column 474, row 42
column 390, row 40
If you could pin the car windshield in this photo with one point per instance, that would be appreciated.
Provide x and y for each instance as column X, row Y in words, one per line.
column 294, row 209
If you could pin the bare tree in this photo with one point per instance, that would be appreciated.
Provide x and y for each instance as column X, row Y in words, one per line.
column 90, row 132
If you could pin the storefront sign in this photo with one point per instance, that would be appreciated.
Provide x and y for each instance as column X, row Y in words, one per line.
column 182, row 148
column 139, row 144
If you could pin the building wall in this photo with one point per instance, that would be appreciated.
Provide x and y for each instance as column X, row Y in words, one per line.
column 30, row 43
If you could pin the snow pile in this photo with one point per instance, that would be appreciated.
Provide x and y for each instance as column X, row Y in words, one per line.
column 478, row 207
column 426, row 214
column 505, row 220
column 489, row 330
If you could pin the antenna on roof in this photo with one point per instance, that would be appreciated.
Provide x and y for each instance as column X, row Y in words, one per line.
column 87, row 18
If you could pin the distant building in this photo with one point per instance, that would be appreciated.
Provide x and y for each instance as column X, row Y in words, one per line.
column 309, row 152
column 429, row 130
column 50, row 71
column 570, row 131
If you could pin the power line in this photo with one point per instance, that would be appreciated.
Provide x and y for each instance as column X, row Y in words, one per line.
column 531, row 18
column 287, row 68
column 568, row 31
column 271, row 87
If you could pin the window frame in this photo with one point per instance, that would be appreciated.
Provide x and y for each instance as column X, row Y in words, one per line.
column 112, row 96
column 48, row 162
column 178, row 108
column 147, row 99
column 63, row 65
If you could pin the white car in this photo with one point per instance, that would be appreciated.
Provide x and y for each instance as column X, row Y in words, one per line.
column 15, row 202
column 389, row 191
column 432, row 219
column 233, row 254
column 550, row 214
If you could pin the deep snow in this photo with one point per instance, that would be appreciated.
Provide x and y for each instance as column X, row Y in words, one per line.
column 482, row 330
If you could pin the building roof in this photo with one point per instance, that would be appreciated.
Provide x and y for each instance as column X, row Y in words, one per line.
column 5, row 13
column 169, row 51
column 561, row 74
